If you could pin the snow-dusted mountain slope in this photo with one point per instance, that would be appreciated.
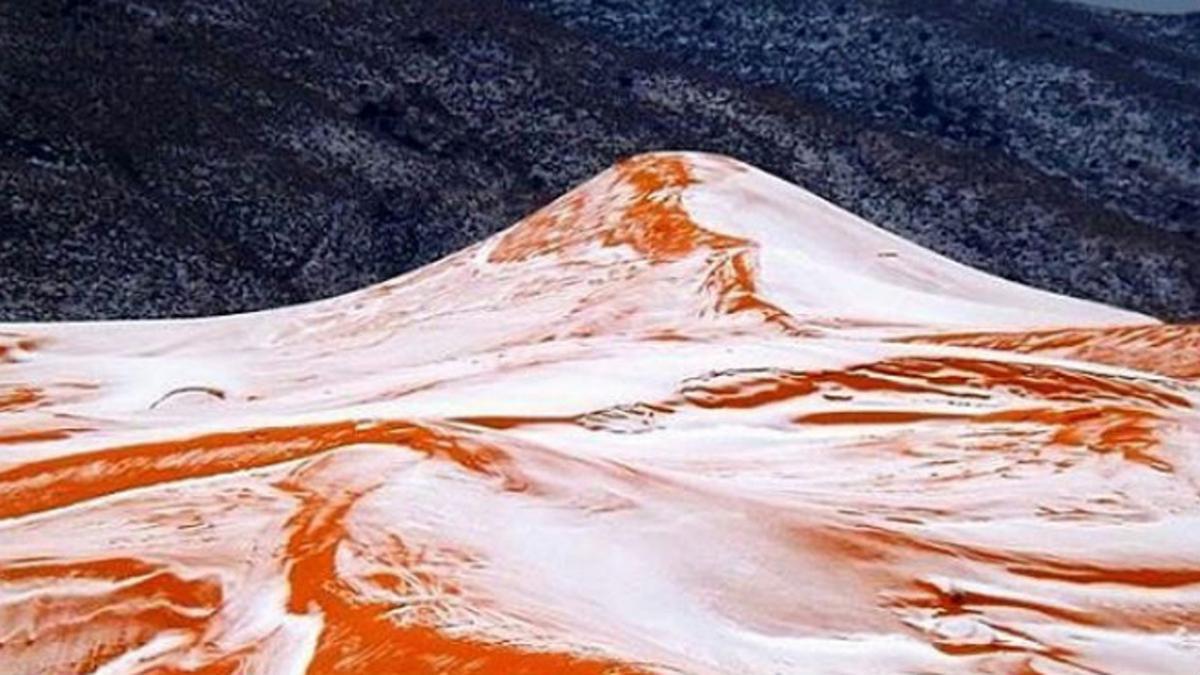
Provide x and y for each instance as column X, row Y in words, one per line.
column 686, row 418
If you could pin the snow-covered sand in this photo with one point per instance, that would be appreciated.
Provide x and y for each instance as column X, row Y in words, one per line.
column 687, row 418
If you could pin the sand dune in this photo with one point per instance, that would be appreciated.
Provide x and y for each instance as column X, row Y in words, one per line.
column 686, row 418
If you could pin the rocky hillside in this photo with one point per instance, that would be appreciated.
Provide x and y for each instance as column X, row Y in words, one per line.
column 196, row 158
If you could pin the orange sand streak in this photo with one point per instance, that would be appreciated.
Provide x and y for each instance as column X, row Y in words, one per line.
column 358, row 637
column 17, row 398
column 1168, row 350
column 62, row 481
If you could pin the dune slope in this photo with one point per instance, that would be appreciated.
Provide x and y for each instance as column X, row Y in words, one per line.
column 686, row 418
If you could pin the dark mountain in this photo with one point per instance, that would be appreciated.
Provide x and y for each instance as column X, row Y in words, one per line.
column 183, row 158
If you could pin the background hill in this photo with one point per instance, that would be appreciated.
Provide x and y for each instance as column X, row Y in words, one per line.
column 198, row 158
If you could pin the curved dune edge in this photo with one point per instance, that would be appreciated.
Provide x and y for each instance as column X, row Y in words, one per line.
column 686, row 418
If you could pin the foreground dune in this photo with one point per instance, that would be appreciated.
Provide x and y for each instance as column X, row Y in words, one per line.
column 687, row 418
